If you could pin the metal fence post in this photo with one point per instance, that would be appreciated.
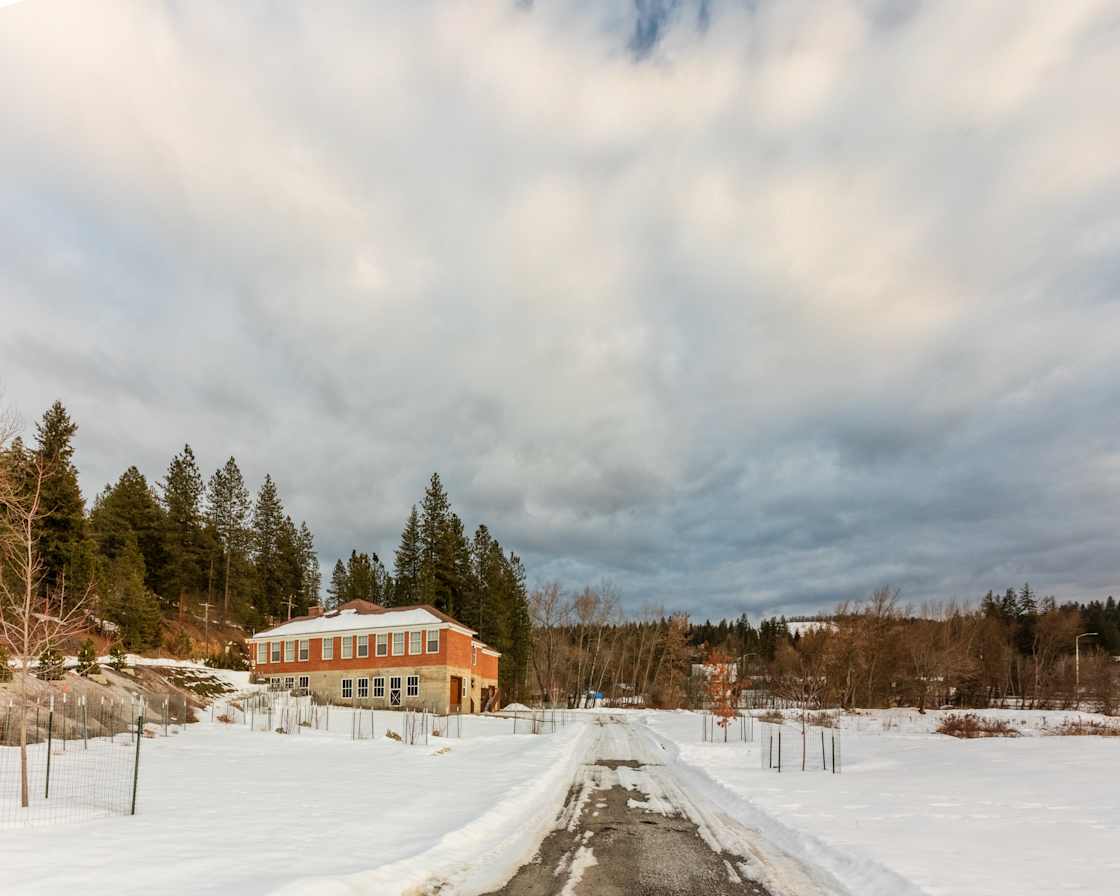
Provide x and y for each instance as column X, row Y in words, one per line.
column 50, row 735
column 136, row 758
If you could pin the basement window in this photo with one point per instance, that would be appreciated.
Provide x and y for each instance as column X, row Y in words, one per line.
column 304, row 682
column 413, row 685
column 363, row 687
column 379, row 688
column 398, row 643
column 415, row 642
column 347, row 688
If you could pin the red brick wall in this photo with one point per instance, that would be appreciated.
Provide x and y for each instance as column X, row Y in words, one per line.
column 448, row 648
column 487, row 665
column 458, row 649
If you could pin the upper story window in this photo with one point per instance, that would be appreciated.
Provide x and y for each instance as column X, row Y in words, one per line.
column 398, row 643
column 304, row 650
column 289, row 651
column 347, row 648
column 415, row 642
column 275, row 651
column 433, row 640
column 328, row 648
column 262, row 652
column 382, row 645
column 363, row 645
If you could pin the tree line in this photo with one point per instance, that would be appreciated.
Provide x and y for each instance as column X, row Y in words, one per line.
column 144, row 551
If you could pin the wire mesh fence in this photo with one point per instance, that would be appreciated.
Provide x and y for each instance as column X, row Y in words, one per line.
column 66, row 771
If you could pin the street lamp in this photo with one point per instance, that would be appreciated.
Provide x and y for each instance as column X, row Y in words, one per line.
column 1077, row 663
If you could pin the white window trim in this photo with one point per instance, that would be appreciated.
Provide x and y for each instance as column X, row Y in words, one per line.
column 348, row 642
column 274, row 650
column 289, row 681
column 289, row 651
column 304, row 650
column 305, row 681
column 408, row 685
column 342, row 688
column 378, row 685
column 363, row 641
column 382, row 641
column 326, row 652
column 358, row 692
column 395, row 636
column 428, row 640
column 415, row 639
column 262, row 653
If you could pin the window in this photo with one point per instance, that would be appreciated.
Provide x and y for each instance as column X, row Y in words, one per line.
column 433, row 640
column 274, row 683
column 395, row 690
column 398, row 643
column 415, row 642
column 363, row 687
column 328, row 648
column 413, row 685
column 304, row 682
column 262, row 652
column 379, row 688
column 347, row 688
column 304, row 650
column 289, row 651
column 275, row 651
column 347, row 648
column 474, row 654
column 363, row 645
column 289, row 682
column 382, row 645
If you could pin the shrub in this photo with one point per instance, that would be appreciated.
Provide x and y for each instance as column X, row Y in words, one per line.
column 1085, row 728
column 116, row 657
column 971, row 725
column 50, row 665
column 822, row 719
column 225, row 719
column 772, row 716
column 392, row 735
column 87, row 659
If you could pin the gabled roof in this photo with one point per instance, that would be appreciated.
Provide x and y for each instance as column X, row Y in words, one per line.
column 356, row 614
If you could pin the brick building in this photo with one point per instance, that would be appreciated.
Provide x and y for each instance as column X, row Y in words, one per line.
column 380, row 656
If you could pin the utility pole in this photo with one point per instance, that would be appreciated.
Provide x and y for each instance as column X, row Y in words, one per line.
column 290, row 598
column 206, row 622
column 1077, row 664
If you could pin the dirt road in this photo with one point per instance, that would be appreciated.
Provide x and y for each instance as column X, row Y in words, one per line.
column 624, row 832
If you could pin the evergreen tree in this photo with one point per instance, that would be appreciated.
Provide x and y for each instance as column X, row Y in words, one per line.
column 291, row 567
column 228, row 511
column 408, row 568
column 130, row 507
column 61, row 529
column 435, row 551
column 87, row 659
column 337, row 589
column 182, row 501
column 50, row 665
column 309, row 561
column 117, row 659
column 126, row 600
column 268, row 525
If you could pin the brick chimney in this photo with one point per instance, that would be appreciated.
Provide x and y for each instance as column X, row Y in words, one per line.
column 315, row 610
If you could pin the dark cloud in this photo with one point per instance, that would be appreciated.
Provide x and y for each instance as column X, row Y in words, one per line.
column 740, row 306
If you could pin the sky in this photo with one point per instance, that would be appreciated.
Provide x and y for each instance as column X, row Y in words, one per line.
column 737, row 306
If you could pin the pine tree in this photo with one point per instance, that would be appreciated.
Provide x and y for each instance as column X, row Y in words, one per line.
column 130, row 507
column 434, row 516
column 126, row 600
column 337, row 589
column 87, row 659
column 291, row 568
column 50, row 665
column 182, row 501
column 408, row 568
column 228, row 511
column 61, row 529
column 309, row 560
column 268, row 523
column 117, row 659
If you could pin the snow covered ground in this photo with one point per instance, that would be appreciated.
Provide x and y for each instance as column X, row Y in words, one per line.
column 914, row 812
column 224, row 809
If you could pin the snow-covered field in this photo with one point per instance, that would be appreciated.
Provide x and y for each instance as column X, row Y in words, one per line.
column 224, row 809
column 917, row 812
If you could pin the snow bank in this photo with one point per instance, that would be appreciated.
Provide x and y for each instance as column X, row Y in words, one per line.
column 223, row 809
column 917, row 812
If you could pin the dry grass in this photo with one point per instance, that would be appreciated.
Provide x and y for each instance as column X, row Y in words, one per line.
column 822, row 719
column 971, row 725
column 772, row 716
column 1085, row 728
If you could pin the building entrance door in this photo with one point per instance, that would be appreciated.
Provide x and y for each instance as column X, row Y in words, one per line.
column 456, row 692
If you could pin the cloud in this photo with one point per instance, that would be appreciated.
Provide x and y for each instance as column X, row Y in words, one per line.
column 743, row 306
